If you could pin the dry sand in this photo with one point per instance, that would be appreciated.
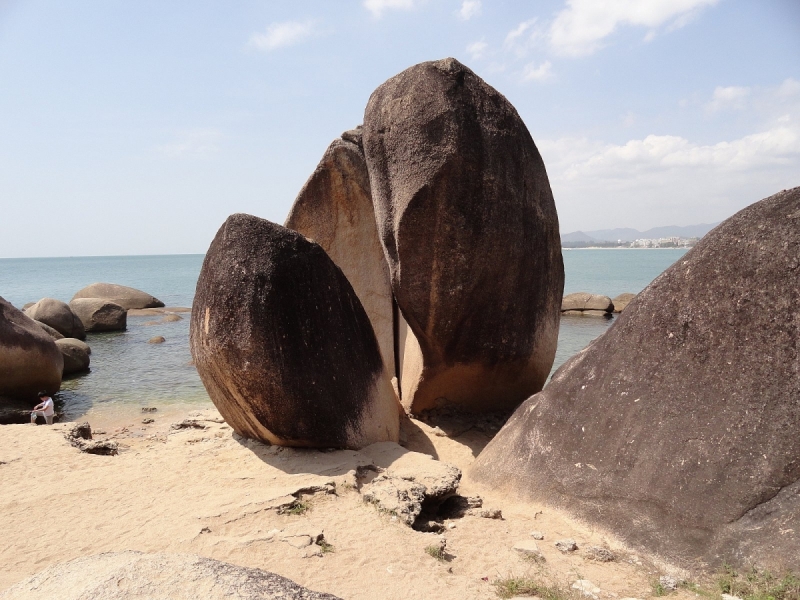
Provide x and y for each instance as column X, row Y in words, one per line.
column 207, row 492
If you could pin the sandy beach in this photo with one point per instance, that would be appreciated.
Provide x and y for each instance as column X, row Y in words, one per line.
column 205, row 491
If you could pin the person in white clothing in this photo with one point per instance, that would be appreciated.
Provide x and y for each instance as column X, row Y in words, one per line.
column 44, row 409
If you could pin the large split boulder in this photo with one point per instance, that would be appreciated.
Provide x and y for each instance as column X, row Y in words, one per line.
column 334, row 208
column 122, row 295
column 59, row 316
column 678, row 428
column 283, row 345
column 30, row 362
column 470, row 231
column 98, row 314
column 135, row 575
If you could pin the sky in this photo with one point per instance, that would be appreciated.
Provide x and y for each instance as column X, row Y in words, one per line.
column 138, row 127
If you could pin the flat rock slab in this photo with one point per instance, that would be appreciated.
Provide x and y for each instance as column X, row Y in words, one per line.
column 529, row 549
column 139, row 576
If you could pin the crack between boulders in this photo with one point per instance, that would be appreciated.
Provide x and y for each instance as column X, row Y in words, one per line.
column 770, row 499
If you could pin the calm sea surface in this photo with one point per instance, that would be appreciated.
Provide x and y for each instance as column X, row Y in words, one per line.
column 128, row 373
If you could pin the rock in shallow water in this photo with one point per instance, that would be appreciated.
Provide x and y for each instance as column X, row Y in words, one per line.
column 470, row 231
column 682, row 419
column 98, row 314
column 283, row 345
column 59, row 316
column 76, row 355
column 122, row 295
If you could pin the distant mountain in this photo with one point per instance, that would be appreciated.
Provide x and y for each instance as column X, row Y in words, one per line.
column 626, row 234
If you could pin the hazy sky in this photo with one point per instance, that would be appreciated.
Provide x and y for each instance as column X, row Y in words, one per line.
column 137, row 127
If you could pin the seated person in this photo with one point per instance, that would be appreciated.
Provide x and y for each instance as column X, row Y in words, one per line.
column 44, row 409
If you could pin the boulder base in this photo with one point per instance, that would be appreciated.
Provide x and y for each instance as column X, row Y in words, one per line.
column 677, row 428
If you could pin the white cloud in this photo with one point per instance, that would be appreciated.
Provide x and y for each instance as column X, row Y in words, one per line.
column 581, row 27
column 378, row 7
column 533, row 73
column 469, row 9
column 477, row 49
column 728, row 98
column 283, row 34
column 193, row 143
column 515, row 34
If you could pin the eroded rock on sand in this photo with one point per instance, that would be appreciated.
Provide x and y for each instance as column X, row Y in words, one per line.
column 80, row 436
column 98, row 314
column 681, row 420
column 283, row 345
column 462, row 200
column 124, row 296
column 334, row 209
column 59, row 316
column 138, row 576
column 30, row 362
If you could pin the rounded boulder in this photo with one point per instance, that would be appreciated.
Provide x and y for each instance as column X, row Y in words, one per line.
column 122, row 295
column 98, row 314
column 59, row 316
column 76, row 355
column 586, row 301
column 283, row 345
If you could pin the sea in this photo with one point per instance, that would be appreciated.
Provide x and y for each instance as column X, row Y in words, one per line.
column 128, row 374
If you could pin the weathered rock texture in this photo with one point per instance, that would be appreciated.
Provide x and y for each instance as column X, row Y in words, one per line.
column 124, row 296
column 75, row 354
column 98, row 314
column 678, row 428
column 30, row 362
column 334, row 208
column 138, row 576
column 469, row 228
column 283, row 345
column 586, row 301
column 57, row 315
column 621, row 302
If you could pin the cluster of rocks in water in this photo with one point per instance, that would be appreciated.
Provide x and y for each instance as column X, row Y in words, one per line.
column 584, row 304
column 45, row 341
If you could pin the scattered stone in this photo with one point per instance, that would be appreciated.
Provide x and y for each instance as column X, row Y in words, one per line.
column 399, row 497
column 97, row 314
column 586, row 588
column 81, row 431
column 159, row 339
column 148, row 421
column 537, row 535
column 486, row 513
column 529, row 549
column 599, row 554
column 59, row 316
column 566, row 545
column 451, row 525
column 174, row 576
column 668, row 582
column 101, row 447
column 188, row 424
column 149, row 409
column 124, row 296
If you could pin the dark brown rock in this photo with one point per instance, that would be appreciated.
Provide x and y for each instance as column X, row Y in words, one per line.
column 586, row 301
column 59, row 316
column 124, row 296
column 55, row 335
column 470, row 231
column 98, row 314
column 30, row 362
column 159, row 339
column 282, row 344
column 334, row 209
column 76, row 355
column 622, row 301
column 678, row 428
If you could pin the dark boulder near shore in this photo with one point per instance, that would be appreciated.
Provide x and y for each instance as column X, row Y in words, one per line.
column 282, row 344
column 678, row 428
column 462, row 199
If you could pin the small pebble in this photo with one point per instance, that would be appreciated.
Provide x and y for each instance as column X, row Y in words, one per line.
column 537, row 535
column 567, row 545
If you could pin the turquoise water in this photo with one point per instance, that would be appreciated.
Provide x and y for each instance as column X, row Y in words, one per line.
column 128, row 373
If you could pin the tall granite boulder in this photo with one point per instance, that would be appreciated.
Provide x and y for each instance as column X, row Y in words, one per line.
column 59, row 316
column 30, row 362
column 98, row 314
column 678, row 428
column 283, row 345
column 469, row 228
column 122, row 295
column 334, row 208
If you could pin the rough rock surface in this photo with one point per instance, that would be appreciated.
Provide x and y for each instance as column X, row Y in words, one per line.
column 283, row 345
column 76, row 355
column 55, row 335
column 59, row 316
column 586, row 301
column 470, row 231
column 138, row 576
column 30, row 362
column 334, row 208
column 677, row 428
column 98, row 314
column 124, row 296
column 621, row 302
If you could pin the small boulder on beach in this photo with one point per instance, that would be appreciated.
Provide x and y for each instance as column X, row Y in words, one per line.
column 124, row 296
column 98, row 314
column 59, row 316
